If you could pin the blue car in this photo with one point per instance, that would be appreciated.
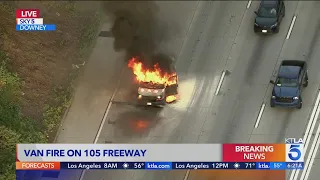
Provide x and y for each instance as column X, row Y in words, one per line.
column 291, row 79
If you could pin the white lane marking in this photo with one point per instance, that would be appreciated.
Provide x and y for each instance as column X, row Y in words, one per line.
column 196, row 11
column 105, row 117
column 220, row 82
column 249, row 4
column 108, row 108
column 238, row 31
column 313, row 151
column 291, row 27
column 308, row 133
column 187, row 33
column 103, row 121
column 259, row 115
column 187, row 175
column 311, row 125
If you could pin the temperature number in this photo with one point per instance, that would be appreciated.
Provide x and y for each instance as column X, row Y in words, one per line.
column 277, row 165
column 250, row 165
column 138, row 165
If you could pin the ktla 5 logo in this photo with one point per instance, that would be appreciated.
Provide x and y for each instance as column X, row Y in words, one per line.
column 294, row 153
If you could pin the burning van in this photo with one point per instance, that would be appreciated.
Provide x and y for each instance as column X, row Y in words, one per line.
column 157, row 85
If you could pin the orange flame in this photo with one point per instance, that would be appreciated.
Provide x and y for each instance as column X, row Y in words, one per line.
column 171, row 98
column 154, row 75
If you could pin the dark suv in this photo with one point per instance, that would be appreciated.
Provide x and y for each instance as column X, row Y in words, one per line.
column 287, row 89
column 269, row 16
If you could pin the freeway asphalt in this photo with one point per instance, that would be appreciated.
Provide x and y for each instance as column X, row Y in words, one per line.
column 220, row 38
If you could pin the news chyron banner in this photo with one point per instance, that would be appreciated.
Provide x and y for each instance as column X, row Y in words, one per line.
column 64, row 160
column 30, row 20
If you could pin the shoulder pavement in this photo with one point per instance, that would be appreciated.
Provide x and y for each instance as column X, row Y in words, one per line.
column 92, row 94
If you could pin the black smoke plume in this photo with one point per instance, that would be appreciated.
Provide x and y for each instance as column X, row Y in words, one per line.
column 136, row 29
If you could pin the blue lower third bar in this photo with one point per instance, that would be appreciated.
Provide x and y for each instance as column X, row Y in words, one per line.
column 263, row 165
column 158, row 165
column 279, row 165
column 294, row 165
column 35, row 27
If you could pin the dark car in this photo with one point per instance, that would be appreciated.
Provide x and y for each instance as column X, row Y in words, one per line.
column 269, row 16
column 287, row 90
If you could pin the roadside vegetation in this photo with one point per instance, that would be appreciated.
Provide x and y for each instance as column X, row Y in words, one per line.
column 38, row 72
